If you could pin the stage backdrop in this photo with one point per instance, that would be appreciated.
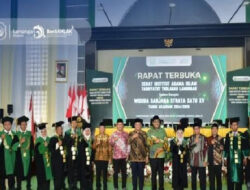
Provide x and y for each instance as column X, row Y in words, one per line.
column 170, row 86
column 99, row 87
column 238, row 88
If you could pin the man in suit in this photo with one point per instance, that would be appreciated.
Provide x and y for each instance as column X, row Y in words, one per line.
column 198, row 155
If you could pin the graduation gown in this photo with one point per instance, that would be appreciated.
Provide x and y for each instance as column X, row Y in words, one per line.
column 71, row 144
column 8, row 148
column 24, row 155
column 58, row 156
column 235, row 150
column 43, row 162
column 72, row 156
column 84, row 163
column 179, row 163
column 247, row 168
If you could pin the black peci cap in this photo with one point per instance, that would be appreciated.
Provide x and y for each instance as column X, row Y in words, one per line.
column 102, row 124
column 138, row 120
column 214, row 125
column 218, row 121
column 155, row 118
column 119, row 120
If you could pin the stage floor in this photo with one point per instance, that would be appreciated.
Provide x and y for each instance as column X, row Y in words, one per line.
column 129, row 184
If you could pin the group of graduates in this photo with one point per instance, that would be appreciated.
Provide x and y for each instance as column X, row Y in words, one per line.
column 74, row 153
column 55, row 157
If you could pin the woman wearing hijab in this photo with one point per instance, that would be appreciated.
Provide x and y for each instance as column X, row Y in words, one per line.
column 179, row 150
column 85, row 159
column 42, row 157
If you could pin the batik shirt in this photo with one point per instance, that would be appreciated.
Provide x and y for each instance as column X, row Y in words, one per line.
column 215, row 151
column 119, row 144
column 157, row 150
column 138, row 146
column 102, row 150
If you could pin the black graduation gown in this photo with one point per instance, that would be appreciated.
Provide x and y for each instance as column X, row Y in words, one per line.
column 19, row 164
column 179, row 177
column 57, row 164
column 247, row 168
column 69, row 143
column 39, row 164
column 71, row 164
column 248, row 171
column 84, row 171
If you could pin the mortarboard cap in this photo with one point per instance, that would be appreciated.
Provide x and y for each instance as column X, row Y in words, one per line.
column 73, row 118
column 7, row 119
column 58, row 124
column 184, row 122
column 42, row 126
column 234, row 119
column 22, row 119
column 197, row 122
column 179, row 127
column 86, row 125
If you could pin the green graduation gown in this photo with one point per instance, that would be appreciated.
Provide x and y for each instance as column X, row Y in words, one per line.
column 235, row 151
column 24, row 154
column 43, row 161
column 8, row 149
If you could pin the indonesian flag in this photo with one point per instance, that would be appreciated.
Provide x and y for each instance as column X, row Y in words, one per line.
column 85, row 108
column 74, row 101
column 31, row 110
column 69, row 108
column 79, row 100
